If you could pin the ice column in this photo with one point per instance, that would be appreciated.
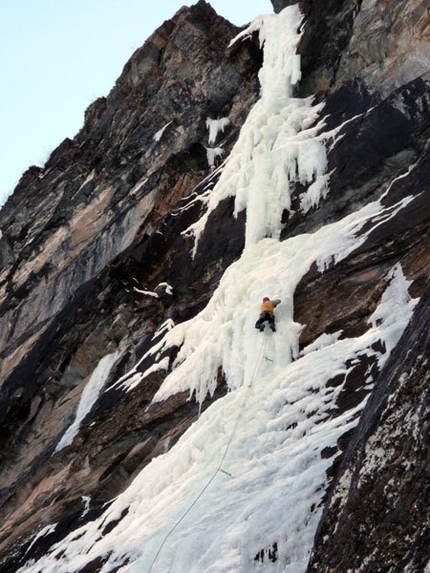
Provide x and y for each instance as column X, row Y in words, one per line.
column 276, row 147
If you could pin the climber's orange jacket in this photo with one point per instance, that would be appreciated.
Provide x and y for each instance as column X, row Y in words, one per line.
column 269, row 305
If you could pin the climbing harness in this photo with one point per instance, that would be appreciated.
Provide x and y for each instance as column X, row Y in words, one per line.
column 219, row 467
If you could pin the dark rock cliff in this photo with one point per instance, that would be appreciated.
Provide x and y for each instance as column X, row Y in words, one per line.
column 100, row 224
column 377, row 517
column 368, row 62
column 101, row 221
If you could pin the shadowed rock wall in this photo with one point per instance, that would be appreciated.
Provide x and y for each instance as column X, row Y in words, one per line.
column 377, row 517
column 369, row 63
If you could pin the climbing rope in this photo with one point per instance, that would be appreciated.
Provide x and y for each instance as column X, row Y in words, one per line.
column 226, row 449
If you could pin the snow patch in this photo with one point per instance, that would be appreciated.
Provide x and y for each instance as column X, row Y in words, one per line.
column 168, row 289
column 42, row 533
column 211, row 154
column 157, row 136
column 146, row 292
column 321, row 342
column 394, row 310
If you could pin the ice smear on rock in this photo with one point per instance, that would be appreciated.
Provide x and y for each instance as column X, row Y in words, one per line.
column 89, row 397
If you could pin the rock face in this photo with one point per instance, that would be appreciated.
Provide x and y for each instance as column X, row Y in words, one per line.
column 84, row 237
column 372, row 69
column 377, row 517
column 92, row 242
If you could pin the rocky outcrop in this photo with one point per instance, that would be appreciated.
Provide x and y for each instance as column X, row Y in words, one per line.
column 95, row 260
column 385, row 143
column 145, row 142
column 373, row 75
column 385, row 45
column 377, row 516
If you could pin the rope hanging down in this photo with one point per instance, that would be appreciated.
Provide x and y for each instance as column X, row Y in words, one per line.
column 219, row 467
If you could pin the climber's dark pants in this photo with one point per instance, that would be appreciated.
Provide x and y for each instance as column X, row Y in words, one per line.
column 265, row 316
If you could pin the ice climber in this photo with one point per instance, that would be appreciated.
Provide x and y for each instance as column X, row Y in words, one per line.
column 267, row 315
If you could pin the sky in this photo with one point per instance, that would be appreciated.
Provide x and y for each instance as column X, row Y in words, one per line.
column 58, row 56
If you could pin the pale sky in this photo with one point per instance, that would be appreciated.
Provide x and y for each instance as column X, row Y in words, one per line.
column 57, row 56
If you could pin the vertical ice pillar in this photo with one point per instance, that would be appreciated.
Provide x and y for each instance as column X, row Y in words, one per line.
column 279, row 144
